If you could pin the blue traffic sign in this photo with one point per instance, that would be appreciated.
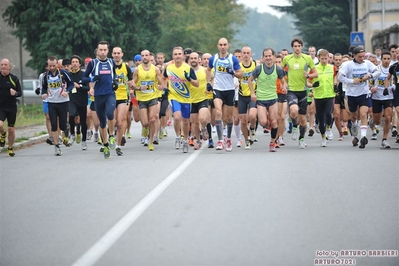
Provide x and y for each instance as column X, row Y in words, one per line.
column 357, row 38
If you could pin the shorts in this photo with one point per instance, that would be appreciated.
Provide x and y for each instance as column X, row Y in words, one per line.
column 45, row 108
column 184, row 108
column 379, row 105
column 341, row 101
column 266, row 103
column 282, row 98
column 147, row 104
column 358, row 101
column 195, row 107
column 227, row 97
column 211, row 104
column 9, row 113
column 299, row 98
column 396, row 98
column 92, row 106
column 244, row 104
column 118, row 102
column 73, row 109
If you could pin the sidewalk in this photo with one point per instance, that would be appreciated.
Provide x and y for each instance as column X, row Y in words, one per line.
column 31, row 132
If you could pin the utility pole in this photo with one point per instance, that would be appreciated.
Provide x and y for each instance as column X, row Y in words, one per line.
column 21, row 72
column 352, row 9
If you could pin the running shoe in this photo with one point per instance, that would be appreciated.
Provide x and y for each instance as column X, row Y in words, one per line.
column 191, row 141
column 118, row 151
column 144, row 132
column 128, row 135
column 11, row 152
column 177, row 143
column 354, row 129
column 197, row 145
column 280, row 141
column 311, row 132
column 142, row 140
column 220, row 145
column 253, row 136
column 266, row 130
column 377, row 129
column 385, row 144
column 329, row 134
column 185, row 146
column 84, row 145
column 229, row 147
column 239, row 143
column 165, row 132
column 102, row 149
column 96, row 137
column 204, row 133
column 107, row 154
column 210, row 144
column 397, row 139
column 394, row 132
column 145, row 142
column 57, row 150
column 78, row 138
column 71, row 140
column 169, row 123
column 341, row 137
column 363, row 142
column 156, row 140
column 272, row 147
column 323, row 142
column 65, row 141
column 302, row 143
column 294, row 135
column 112, row 142
column 346, row 131
column 151, row 146
column 123, row 141
column 355, row 141
column 160, row 134
column 99, row 141
column 49, row 141
column 317, row 128
column 247, row 145
column 374, row 136
column 89, row 135
column 290, row 126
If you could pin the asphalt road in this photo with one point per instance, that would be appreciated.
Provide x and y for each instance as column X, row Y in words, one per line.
column 205, row 207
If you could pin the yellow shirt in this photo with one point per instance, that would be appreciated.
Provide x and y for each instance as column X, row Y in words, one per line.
column 147, row 78
column 198, row 94
column 178, row 84
column 247, row 71
column 121, row 76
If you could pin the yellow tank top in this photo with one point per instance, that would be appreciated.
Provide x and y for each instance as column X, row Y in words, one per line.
column 198, row 94
column 247, row 71
column 178, row 85
column 150, row 79
column 121, row 76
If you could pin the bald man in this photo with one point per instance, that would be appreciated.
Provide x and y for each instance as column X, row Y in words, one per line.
column 10, row 89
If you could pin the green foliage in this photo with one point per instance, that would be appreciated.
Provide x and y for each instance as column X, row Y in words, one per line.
column 63, row 28
column 321, row 23
column 265, row 30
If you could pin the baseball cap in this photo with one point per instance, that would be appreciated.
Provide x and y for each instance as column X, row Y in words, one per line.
column 358, row 50
column 188, row 51
column 137, row 57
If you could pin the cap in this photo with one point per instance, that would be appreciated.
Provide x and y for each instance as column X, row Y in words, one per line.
column 137, row 57
column 188, row 51
column 318, row 51
column 358, row 50
column 66, row 62
column 87, row 60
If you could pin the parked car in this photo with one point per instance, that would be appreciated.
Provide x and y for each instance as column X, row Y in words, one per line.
column 30, row 97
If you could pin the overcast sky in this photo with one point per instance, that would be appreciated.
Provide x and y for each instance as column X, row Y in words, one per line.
column 263, row 5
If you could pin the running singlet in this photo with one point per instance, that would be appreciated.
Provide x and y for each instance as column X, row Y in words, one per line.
column 247, row 72
column 223, row 81
column 55, row 86
column 122, row 77
column 296, row 66
column 199, row 94
column 379, row 83
column 266, row 85
column 147, row 78
column 178, row 84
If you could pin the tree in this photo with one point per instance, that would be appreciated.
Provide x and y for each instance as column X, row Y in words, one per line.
column 198, row 24
column 64, row 28
column 321, row 23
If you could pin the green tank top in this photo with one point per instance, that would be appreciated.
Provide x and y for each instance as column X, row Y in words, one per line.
column 266, row 85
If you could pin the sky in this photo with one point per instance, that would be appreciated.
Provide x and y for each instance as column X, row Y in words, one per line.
column 263, row 5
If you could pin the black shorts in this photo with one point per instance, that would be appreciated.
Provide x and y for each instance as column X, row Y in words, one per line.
column 358, row 101
column 380, row 105
column 244, row 104
column 281, row 98
column 396, row 98
column 195, row 107
column 299, row 98
column 92, row 106
column 211, row 104
column 227, row 97
column 9, row 114
column 341, row 101
column 118, row 102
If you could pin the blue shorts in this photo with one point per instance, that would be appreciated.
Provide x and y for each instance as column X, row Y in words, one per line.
column 45, row 108
column 184, row 108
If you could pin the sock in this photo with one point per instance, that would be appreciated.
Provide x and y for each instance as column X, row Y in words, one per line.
column 363, row 131
column 294, row 122
column 219, row 129
column 302, row 131
column 229, row 129
column 273, row 133
column 237, row 131
column 209, row 129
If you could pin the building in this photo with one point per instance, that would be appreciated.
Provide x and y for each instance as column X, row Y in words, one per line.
column 377, row 19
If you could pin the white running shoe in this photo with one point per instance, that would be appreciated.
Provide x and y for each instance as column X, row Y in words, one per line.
column 294, row 135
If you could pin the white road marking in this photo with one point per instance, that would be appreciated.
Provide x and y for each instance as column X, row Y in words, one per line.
column 91, row 256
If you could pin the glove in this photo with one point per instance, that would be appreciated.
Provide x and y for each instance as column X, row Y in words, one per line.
column 95, row 78
column 115, row 84
column 187, row 75
column 316, row 84
column 37, row 91
column 230, row 71
column 209, row 87
column 385, row 92
column 336, row 89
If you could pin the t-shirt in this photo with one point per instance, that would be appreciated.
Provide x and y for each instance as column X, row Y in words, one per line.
column 296, row 66
column 198, row 94
column 178, row 84
column 147, row 78
column 379, row 83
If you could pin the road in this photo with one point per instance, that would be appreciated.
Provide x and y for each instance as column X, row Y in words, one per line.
column 205, row 207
